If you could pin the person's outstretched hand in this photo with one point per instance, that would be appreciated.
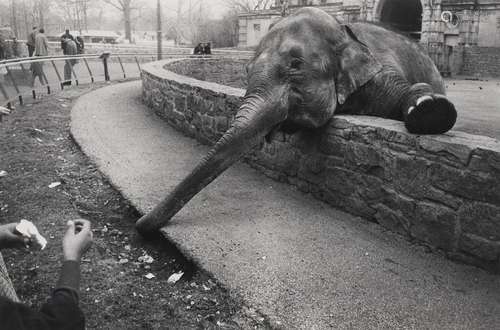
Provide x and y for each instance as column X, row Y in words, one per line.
column 4, row 111
column 10, row 238
column 77, row 239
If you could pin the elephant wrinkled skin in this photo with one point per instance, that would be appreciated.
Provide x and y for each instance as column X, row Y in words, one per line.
column 308, row 68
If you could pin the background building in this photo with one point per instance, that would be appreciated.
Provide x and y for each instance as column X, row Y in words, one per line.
column 462, row 36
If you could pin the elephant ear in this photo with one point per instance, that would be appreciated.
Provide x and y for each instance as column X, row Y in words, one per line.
column 357, row 66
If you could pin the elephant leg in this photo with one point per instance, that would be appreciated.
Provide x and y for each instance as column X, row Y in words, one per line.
column 426, row 112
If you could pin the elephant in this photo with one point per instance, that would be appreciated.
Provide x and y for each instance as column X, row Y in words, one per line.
column 307, row 68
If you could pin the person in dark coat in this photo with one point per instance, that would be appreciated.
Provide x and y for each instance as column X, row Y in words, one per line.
column 80, row 45
column 198, row 50
column 207, row 49
column 61, row 311
column 31, row 41
column 3, row 47
column 71, row 49
column 65, row 36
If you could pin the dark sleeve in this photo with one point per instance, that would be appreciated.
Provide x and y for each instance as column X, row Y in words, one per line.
column 60, row 312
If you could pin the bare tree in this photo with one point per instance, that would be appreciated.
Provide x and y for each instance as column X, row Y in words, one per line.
column 126, row 7
column 248, row 5
column 75, row 13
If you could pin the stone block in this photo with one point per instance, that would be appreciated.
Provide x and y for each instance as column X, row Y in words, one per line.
column 340, row 181
column 193, row 102
column 480, row 247
column 301, row 185
column 441, row 197
column 180, row 103
column 485, row 161
column 196, row 121
column 232, row 104
column 178, row 116
column 467, row 184
column 398, row 202
column 168, row 108
column 221, row 124
column 480, row 219
column 391, row 219
column 334, row 161
column 398, row 138
column 313, row 163
column 333, row 145
column 365, row 158
column 408, row 174
column 453, row 152
column 435, row 224
column 363, row 134
column 287, row 160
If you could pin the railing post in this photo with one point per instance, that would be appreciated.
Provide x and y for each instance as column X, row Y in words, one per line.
column 104, row 56
column 123, row 69
column 9, row 73
column 74, row 73
column 88, row 68
column 58, row 75
column 138, row 65
column 4, row 92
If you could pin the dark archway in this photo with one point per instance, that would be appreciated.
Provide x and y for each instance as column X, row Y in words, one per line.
column 403, row 15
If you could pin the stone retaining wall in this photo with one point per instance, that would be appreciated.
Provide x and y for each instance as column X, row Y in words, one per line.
column 442, row 190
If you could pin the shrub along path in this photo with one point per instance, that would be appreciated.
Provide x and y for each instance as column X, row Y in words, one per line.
column 298, row 261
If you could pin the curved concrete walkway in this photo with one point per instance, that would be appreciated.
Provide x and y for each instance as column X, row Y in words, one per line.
column 298, row 261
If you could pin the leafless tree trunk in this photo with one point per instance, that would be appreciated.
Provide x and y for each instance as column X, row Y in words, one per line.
column 125, row 6
column 41, row 7
column 13, row 17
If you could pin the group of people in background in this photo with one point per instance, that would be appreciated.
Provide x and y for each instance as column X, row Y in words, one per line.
column 202, row 49
column 70, row 46
column 38, row 45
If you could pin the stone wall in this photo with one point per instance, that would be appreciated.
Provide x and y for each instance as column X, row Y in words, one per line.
column 481, row 61
column 441, row 190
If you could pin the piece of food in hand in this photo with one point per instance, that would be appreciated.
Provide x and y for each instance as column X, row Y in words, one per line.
column 4, row 111
column 29, row 230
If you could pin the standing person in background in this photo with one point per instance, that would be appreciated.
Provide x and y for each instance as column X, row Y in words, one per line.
column 65, row 36
column 41, row 43
column 15, row 48
column 80, row 45
column 198, row 50
column 31, row 41
column 71, row 49
column 3, row 46
column 41, row 49
column 207, row 50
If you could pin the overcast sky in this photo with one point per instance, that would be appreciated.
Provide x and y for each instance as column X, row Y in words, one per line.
column 215, row 8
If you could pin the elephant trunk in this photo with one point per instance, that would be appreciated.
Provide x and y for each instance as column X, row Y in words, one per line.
column 255, row 118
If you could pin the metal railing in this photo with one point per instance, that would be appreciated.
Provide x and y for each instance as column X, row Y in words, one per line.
column 30, row 76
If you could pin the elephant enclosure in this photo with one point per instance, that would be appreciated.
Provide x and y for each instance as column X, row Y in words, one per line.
column 439, row 190
column 230, row 72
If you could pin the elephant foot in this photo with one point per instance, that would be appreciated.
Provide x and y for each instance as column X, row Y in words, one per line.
column 431, row 114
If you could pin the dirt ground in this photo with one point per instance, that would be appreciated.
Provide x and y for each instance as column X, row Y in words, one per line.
column 36, row 150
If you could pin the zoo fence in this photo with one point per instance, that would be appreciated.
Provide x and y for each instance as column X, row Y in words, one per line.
column 17, row 81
